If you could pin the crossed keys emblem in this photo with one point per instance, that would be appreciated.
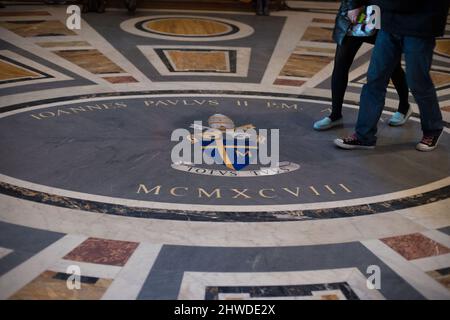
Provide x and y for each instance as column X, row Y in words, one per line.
column 235, row 146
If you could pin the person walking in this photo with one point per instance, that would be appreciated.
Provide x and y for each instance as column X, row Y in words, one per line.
column 409, row 27
column 348, row 44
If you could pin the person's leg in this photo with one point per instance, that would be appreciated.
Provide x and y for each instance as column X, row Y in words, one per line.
column 266, row 10
column 404, row 110
column 418, row 58
column 343, row 59
column 399, row 80
column 260, row 7
column 385, row 57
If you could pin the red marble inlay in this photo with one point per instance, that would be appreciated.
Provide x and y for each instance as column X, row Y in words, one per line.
column 102, row 251
column 415, row 246
column 289, row 82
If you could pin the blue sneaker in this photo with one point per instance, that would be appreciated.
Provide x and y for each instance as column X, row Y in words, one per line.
column 399, row 119
column 326, row 123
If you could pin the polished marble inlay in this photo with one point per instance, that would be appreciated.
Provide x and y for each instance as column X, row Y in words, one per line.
column 87, row 179
column 442, row 276
column 415, row 246
column 289, row 82
column 33, row 28
column 196, row 60
column 328, row 291
column 101, row 251
column 440, row 79
column 10, row 72
column 302, row 65
column 117, row 126
column 120, row 79
column 199, row 61
column 315, row 50
column 92, row 60
column 187, row 27
column 52, row 44
column 442, row 47
column 14, row 71
column 318, row 34
column 51, row 285
column 184, row 27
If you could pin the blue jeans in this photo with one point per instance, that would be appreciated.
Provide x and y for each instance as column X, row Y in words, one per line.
column 385, row 56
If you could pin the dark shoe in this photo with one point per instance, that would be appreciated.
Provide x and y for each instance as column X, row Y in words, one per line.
column 352, row 142
column 429, row 142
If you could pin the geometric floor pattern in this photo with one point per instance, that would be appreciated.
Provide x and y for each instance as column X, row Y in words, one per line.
column 88, row 188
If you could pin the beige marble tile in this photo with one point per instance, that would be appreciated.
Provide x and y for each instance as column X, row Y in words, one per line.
column 20, row 276
column 120, row 79
column 37, row 28
column 183, row 60
column 432, row 216
column 46, row 287
column 302, row 65
column 289, row 82
column 9, row 71
column 443, row 47
column 318, row 34
column 440, row 78
column 53, row 44
column 91, row 60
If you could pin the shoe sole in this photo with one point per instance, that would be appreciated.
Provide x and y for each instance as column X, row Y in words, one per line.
column 425, row 149
column 339, row 143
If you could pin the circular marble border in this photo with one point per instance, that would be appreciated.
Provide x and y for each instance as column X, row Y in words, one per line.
column 428, row 193
column 239, row 29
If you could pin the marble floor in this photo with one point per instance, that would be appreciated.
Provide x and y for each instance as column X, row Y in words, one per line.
column 92, row 207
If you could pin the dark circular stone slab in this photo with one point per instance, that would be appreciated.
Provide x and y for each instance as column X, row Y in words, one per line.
column 120, row 147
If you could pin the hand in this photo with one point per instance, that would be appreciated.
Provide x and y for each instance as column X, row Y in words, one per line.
column 353, row 14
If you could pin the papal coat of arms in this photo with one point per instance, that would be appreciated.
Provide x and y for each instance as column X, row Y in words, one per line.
column 235, row 147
